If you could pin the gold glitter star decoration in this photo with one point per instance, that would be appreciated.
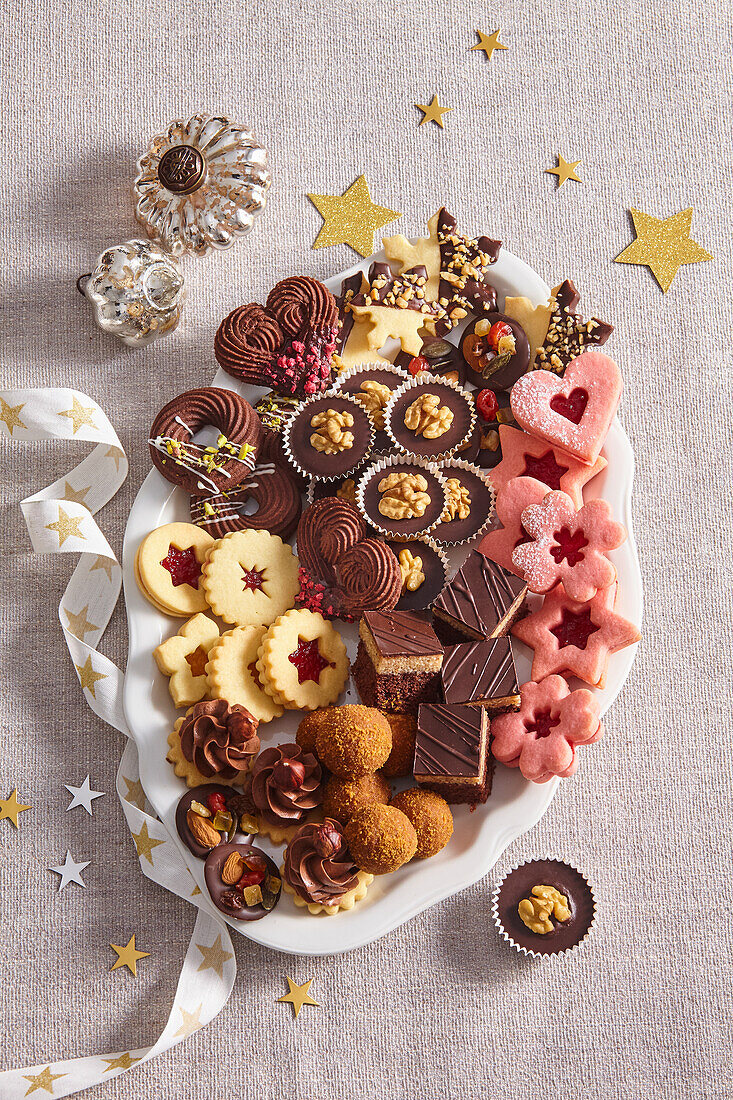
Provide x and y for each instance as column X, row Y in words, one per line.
column 79, row 416
column 351, row 218
column 10, row 808
column 663, row 245
column 433, row 112
column 128, row 956
column 43, row 1080
column 9, row 416
column 488, row 43
column 565, row 171
column 66, row 527
column 297, row 995
column 88, row 677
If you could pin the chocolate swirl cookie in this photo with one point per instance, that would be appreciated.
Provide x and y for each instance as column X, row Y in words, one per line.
column 286, row 784
column 218, row 739
column 318, row 866
column 299, row 304
column 326, row 529
column 247, row 341
column 369, row 577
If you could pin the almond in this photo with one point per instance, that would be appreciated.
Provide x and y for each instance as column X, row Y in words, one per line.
column 202, row 830
column 232, row 870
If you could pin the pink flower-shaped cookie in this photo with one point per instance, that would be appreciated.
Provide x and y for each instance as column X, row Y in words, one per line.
column 540, row 737
column 511, row 502
column 568, row 546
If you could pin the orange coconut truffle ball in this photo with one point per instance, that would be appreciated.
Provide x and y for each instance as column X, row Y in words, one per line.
column 307, row 730
column 353, row 741
column 431, row 819
column 380, row 838
column 343, row 797
column 404, row 732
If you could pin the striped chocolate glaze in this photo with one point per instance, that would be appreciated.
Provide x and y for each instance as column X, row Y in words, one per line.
column 402, row 634
column 479, row 670
column 480, row 596
column 451, row 741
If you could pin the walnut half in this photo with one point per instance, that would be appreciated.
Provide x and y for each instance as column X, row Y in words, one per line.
column 458, row 502
column 374, row 397
column 427, row 417
column 404, row 496
column 331, row 436
column 411, row 569
column 536, row 911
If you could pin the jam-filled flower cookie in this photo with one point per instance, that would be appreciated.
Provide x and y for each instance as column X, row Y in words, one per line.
column 250, row 578
column 183, row 658
column 168, row 568
column 231, row 672
column 302, row 661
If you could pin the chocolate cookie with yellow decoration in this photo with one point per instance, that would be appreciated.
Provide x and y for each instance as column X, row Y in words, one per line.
column 302, row 661
column 250, row 578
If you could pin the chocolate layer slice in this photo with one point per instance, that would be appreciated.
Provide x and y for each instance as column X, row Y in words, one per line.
column 481, row 674
column 400, row 641
column 482, row 601
column 452, row 752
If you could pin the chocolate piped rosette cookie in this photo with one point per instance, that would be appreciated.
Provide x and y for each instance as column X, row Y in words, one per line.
column 430, row 417
column 328, row 437
column 319, row 872
column 286, row 788
column 402, row 496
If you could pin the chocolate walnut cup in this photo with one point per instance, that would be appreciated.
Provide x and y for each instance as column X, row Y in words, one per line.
column 219, row 740
column 286, row 784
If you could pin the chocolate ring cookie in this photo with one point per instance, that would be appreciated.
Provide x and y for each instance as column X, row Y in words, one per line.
column 247, row 341
column 193, row 466
column 270, row 485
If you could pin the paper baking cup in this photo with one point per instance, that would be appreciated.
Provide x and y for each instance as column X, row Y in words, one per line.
column 418, row 382
column 361, row 458
column 570, row 950
column 442, row 529
column 367, row 368
column 388, row 465
column 314, row 482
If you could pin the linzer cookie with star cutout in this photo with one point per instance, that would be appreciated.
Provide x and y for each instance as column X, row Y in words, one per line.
column 168, row 568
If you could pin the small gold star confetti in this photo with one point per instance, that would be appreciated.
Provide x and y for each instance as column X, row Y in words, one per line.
column 44, row 1080
column 10, row 808
column 351, row 218
column 297, row 996
column 78, row 623
column 488, row 43
column 565, row 171
column 146, row 843
column 135, row 793
column 128, row 955
column 191, row 1022
column 79, row 416
column 663, row 245
column 66, row 527
column 9, row 416
column 433, row 112
column 214, row 956
column 122, row 1061
column 77, row 495
column 88, row 677
column 105, row 564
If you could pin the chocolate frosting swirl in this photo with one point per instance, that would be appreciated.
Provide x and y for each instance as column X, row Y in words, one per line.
column 369, row 576
column 318, row 864
column 299, row 304
column 286, row 783
column 218, row 739
column 247, row 341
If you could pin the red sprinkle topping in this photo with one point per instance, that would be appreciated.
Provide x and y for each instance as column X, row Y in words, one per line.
column 545, row 468
column 308, row 661
column 215, row 802
column 572, row 407
column 487, row 404
column 542, row 724
column 574, row 629
column 182, row 566
column 316, row 597
column 497, row 330
column 253, row 579
column 568, row 545
column 417, row 364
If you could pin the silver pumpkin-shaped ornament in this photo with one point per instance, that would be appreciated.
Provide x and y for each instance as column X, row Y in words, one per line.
column 201, row 184
column 136, row 290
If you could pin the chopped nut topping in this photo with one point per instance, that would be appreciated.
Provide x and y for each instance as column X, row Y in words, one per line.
column 411, row 569
column 374, row 396
column 331, row 437
column 546, row 902
column 459, row 501
column 427, row 417
column 404, row 496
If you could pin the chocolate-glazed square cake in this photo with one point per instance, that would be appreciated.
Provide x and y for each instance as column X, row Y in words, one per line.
column 398, row 661
column 482, row 601
column 452, row 752
column 481, row 674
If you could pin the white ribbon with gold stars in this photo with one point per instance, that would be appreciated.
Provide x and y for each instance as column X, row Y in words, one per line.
column 60, row 521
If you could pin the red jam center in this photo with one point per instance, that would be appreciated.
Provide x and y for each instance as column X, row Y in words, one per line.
column 253, row 579
column 568, row 547
column 182, row 566
column 572, row 407
column 197, row 661
column 574, row 629
column 308, row 661
column 542, row 724
column 545, row 468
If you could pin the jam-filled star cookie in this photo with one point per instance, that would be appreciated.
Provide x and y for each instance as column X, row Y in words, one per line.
column 232, row 672
column 168, row 568
column 183, row 658
column 302, row 661
column 250, row 578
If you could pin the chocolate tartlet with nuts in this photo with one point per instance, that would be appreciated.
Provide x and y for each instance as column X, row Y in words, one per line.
column 372, row 384
column 328, row 437
column 544, row 907
column 424, row 569
column 244, row 883
column 402, row 497
column 430, row 417
column 470, row 505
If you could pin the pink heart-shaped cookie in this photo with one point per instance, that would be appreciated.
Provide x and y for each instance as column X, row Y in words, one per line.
column 574, row 412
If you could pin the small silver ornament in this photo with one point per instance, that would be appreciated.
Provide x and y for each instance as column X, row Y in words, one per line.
column 136, row 291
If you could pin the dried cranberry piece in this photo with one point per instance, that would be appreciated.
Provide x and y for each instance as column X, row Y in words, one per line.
column 232, row 900
column 215, row 802
column 487, row 405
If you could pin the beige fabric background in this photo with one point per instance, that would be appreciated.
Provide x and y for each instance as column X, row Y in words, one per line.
column 440, row 1007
